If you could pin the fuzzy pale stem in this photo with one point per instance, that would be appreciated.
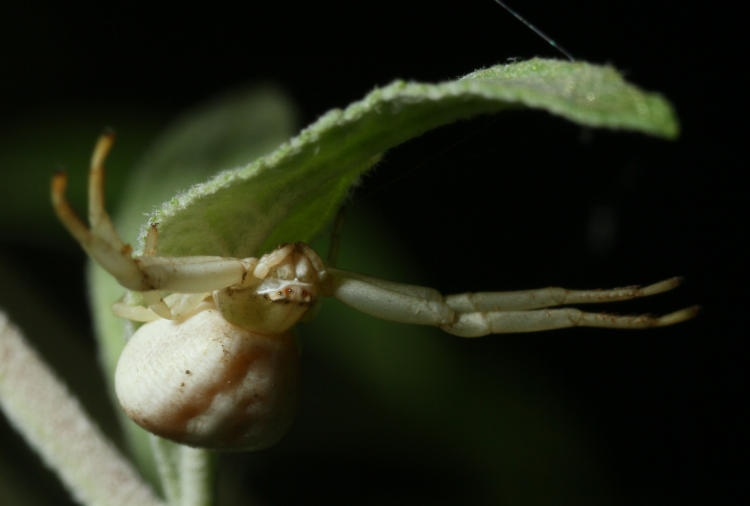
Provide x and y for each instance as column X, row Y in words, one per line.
column 52, row 421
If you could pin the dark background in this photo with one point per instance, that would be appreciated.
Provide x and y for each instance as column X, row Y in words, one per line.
column 514, row 201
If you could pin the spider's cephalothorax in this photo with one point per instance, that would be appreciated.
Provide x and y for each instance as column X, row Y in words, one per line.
column 215, row 364
column 274, row 303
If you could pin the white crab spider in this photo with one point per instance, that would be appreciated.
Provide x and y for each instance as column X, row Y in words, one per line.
column 215, row 364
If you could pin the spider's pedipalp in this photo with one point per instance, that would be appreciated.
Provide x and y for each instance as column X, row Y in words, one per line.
column 271, row 260
column 134, row 313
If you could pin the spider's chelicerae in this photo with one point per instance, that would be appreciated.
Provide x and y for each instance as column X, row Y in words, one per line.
column 215, row 364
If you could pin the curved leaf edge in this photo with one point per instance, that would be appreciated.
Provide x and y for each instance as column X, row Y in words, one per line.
column 588, row 94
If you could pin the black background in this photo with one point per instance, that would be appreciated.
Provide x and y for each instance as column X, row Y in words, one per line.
column 514, row 201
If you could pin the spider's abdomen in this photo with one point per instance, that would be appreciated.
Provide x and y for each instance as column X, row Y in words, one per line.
column 205, row 382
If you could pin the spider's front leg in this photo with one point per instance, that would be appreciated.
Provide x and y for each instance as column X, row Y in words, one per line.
column 480, row 314
column 144, row 273
column 101, row 241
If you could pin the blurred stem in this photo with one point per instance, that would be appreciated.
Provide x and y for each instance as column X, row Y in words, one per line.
column 186, row 473
column 165, row 454
column 196, row 476
column 52, row 421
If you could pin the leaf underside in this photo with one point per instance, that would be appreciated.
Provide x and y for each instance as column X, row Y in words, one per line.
column 293, row 192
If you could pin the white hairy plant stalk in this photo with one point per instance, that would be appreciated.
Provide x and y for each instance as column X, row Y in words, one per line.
column 52, row 421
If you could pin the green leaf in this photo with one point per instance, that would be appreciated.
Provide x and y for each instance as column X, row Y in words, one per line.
column 292, row 193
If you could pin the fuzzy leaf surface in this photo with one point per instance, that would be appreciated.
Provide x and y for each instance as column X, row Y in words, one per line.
column 292, row 193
